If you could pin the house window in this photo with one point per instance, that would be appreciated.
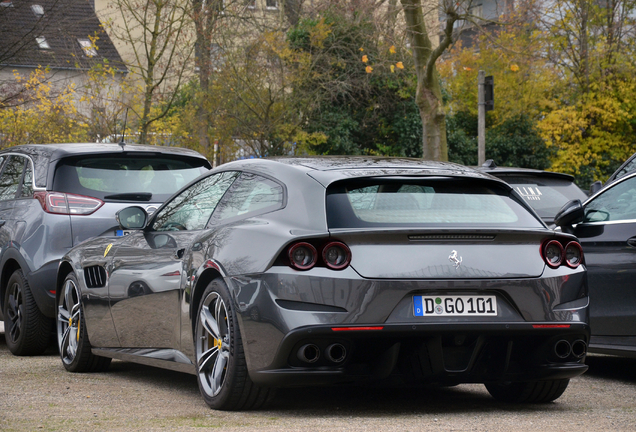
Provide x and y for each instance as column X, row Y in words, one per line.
column 42, row 43
column 87, row 46
column 38, row 10
column 271, row 4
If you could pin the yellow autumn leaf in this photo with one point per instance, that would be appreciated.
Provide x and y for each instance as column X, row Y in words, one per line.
column 514, row 68
column 361, row 49
column 399, row 65
column 467, row 68
column 392, row 49
column 369, row 69
column 392, row 69
column 365, row 58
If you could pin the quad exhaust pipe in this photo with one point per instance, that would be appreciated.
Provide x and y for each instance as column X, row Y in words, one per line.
column 563, row 349
column 310, row 353
column 336, row 353
column 579, row 348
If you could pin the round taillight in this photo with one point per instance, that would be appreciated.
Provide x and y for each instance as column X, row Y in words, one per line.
column 573, row 254
column 302, row 256
column 553, row 253
column 336, row 255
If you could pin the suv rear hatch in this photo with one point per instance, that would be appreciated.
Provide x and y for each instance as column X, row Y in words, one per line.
column 99, row 185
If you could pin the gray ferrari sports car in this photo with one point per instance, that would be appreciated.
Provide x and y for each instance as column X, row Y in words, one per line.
column 266, row 273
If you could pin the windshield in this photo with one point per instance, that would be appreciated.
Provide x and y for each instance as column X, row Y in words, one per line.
column 424, row 202
column 125, row 177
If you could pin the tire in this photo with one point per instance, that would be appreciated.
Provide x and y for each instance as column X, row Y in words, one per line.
column 528, row 392
column 27, row 331
column 72, row 337
column 220, row 360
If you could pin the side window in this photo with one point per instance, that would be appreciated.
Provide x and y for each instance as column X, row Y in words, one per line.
column 615, row 204
column 250, row 195
column 10, row 178
column 191, row 209
column 27, row 182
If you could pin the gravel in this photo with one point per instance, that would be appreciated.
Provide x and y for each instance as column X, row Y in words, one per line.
column 36, row 393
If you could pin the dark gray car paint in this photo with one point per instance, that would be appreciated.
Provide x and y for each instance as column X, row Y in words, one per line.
column 243, row 253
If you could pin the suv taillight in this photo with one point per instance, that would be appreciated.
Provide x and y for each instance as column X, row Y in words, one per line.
column 67, row 204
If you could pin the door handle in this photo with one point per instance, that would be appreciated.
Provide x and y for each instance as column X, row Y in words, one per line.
column 2, row 222
column 632, row 242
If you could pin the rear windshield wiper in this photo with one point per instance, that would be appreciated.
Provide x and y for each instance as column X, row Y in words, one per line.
column 131, row 196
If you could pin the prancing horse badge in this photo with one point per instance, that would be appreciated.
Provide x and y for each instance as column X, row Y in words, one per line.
column 454, row 259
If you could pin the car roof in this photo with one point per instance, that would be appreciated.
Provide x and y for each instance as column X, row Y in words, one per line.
column 45, row 155
column 525, row 172
column 328, row 169
column 56, row 151
column 491, row 167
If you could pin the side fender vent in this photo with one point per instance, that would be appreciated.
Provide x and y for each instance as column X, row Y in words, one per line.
column 95, row 276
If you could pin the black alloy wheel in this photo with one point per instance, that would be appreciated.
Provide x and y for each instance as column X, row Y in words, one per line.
column 27, row 330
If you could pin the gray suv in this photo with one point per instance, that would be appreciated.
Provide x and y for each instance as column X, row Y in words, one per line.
column 53, row 197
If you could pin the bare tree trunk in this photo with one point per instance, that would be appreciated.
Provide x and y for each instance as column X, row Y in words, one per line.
column 144, row 122
column 428, row 96
column 205, row 15
column 292, row 11
column 583, row 41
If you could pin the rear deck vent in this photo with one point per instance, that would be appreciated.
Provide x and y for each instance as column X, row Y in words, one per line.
column 95, row 276
column 444, row 237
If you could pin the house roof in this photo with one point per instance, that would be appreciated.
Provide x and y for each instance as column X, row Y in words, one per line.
column 31, row 39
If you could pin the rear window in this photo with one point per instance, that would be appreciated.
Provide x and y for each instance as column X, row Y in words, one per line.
column 425, row 202
column 545, row 195
column 114, row 177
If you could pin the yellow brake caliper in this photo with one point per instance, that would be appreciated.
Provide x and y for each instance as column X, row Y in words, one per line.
column 214, row 341
column 70, row 324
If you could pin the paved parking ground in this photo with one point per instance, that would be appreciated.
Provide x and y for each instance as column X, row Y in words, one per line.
column 36, row 393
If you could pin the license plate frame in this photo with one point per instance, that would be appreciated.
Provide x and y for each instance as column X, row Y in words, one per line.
column 454, row 305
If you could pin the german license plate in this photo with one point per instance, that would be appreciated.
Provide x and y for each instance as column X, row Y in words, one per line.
column 455, row 305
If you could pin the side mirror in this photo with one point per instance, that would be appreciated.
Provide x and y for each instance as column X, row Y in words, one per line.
column 572, row 212
column 132, row 217
column 595, row 187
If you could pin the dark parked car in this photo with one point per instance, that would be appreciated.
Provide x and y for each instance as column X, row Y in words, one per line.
column 545, row 191
column 606, row 227
column 627, row 167
column 306, row 271
column 53, row 197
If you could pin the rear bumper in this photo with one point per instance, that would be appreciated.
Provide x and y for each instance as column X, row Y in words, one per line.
column 428, row 353
column 282, row 311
